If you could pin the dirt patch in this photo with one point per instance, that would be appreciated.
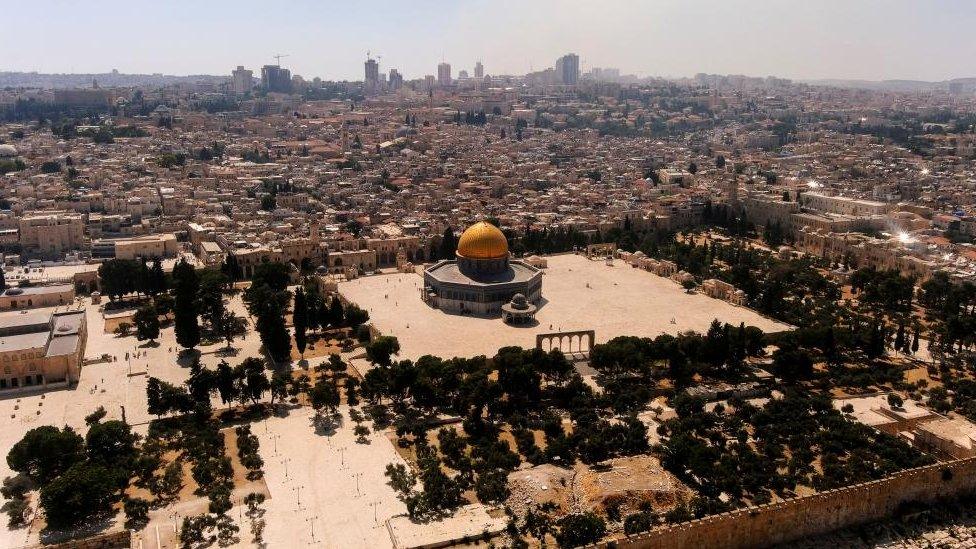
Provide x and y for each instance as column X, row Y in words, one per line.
column 631, row 481
column 540, row 485
column 628, row 483
column 318, row 347
column 112, row 322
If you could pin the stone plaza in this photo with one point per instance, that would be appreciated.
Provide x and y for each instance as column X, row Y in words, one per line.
column 578, row 294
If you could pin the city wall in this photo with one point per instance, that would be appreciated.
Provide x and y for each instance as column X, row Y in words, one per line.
column 806, row 516
column 112, row 540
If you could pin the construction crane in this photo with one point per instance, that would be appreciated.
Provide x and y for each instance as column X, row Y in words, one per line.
column 278, row 57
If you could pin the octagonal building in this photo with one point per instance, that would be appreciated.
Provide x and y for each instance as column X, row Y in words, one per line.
column 483, row 277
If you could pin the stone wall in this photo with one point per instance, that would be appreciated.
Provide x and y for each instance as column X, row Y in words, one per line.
column 806, row 516
column 112, row 540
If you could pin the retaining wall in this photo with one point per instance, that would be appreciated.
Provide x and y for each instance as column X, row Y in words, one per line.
column 112, row 540
column 807, row 516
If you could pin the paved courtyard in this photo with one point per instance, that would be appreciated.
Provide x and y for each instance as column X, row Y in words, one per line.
column 325, row 485
column 578, row 294
column 107, row 384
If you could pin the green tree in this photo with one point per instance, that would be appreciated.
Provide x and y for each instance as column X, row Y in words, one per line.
column 638, row 522
column 580, row 529
column 272, row 274
column 86, row 490
column 324, row 395
column 300, row 320
column 381, row 349
column 227, row 387
column 255, row 380
column 157, row 278
column 136, row 511
column 117, row 277
column 146, row 320
column 45, row 452
column 211, row 298
column 112, row 444
column 448, row 244
column 186, row 322
column 336, row 312
column 279, row 385
column 355, row 316
column 232, row 327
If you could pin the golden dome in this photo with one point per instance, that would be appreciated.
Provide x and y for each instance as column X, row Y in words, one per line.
column 483, row 241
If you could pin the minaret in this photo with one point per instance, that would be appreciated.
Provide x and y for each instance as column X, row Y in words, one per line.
column 313, row 231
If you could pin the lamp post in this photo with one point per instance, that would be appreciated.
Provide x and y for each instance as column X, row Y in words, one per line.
column 311, row 525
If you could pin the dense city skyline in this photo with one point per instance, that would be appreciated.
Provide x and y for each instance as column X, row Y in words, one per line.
column 641, row 275
column 844, row 40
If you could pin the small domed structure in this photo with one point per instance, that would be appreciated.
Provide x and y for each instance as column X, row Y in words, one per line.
column 518, row 310
column 7, row 151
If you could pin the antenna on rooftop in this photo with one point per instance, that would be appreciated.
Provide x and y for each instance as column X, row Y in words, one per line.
column 278, row 57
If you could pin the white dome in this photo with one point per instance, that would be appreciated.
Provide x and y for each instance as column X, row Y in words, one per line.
column 7, row 150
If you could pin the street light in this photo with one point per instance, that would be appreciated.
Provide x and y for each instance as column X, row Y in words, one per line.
column 311, row 524
column 374, row 504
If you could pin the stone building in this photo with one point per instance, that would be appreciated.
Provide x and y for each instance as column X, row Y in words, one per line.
column 36, row 296
column 52, row 234
column 483, row 278
column 719, row 289
column 149, row 246
column 41, row 349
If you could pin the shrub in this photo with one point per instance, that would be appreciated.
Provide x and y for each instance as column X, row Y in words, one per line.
column 580, row 529
column 637, row 523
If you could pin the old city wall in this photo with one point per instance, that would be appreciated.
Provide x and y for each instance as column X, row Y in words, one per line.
column 820, row 513
column 112, row 540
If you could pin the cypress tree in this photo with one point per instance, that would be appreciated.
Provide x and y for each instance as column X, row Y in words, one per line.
column 336, row 314
column 900, row 338
column 300, row 320
column 448, row 244
column 185, row 321
column 157, row 279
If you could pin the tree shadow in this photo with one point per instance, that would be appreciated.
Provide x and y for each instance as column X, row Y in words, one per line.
column 149, row 345
column 226, row 352
column 186, row 357
column 91, row 527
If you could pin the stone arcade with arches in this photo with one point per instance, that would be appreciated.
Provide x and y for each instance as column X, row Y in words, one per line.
column 578, row 342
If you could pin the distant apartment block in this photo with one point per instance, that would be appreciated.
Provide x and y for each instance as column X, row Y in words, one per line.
column 242, row 80
column 52, row 234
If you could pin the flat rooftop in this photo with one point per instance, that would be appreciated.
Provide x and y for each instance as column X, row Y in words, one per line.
column 37, row 290
column 874, row 410
column 577, row 294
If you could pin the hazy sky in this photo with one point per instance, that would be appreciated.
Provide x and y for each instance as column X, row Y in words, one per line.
column 870, row 39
